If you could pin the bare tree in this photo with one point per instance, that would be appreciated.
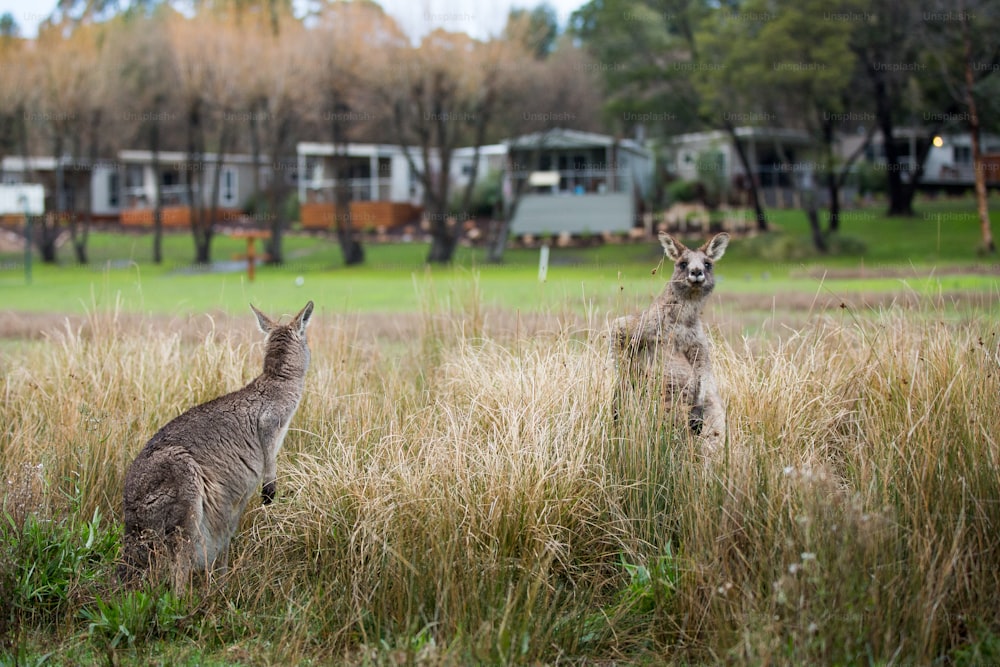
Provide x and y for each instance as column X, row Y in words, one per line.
column 142, row 62
column 348, row 43
column 15, row 63
column 272, row 78
column 968, row 59
column 70, row 101
column 982, row 206
column 210, row 64
column 19, row 110
column 443, row 94
column 889, row 47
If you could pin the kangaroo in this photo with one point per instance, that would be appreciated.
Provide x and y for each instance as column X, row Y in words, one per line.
column 667, row 344
column 187, row 489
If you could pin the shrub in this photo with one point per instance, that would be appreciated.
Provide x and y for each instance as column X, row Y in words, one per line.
column 871, row 179
column 486, row 195
column 683, row 191
column 46, row 563
column 136, row 615
column 784, row 247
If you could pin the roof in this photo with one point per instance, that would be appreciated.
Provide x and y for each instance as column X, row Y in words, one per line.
column 357, row 150
column 13, row 163
column 559, row 137
column 787, row 135
column 484, row 151
column 146, row 157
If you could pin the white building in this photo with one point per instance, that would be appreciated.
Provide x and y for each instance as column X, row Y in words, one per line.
column 949, row 161
column 576, row 182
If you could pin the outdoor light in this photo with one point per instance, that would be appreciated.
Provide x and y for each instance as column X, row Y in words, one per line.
column 938, row 142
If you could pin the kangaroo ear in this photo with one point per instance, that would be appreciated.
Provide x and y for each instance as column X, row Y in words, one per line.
column 672, row 248
column 303, row 317
column 265, row 323
column 716, row 248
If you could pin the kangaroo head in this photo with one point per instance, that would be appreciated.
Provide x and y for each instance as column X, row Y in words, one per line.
column 693, row 277
column 287, row 350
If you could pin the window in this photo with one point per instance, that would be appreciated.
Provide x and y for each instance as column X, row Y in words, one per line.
column 229, row 190
column 134, row 176
column 962, row 154
column 113, row 184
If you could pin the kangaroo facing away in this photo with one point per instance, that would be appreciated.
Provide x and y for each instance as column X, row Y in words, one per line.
column 666, row 345
column 187, row 489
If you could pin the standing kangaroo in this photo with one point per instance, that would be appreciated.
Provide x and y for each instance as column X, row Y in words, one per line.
column 187, row 489
column 667, row 344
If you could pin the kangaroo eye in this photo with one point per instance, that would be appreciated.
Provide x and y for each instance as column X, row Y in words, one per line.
column 708, row 266
column 683, row 265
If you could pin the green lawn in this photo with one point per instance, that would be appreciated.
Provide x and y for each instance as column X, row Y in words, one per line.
column 934, row 251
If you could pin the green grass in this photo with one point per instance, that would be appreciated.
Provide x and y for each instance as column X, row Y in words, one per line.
column 938, row 243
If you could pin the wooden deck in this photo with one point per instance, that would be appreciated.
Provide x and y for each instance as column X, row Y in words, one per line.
column 365, row 215
column 172, row 216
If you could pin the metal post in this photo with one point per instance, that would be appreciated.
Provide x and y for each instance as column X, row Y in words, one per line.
column 543, row 264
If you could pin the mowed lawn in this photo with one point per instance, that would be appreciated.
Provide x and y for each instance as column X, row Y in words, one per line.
column 934, row 252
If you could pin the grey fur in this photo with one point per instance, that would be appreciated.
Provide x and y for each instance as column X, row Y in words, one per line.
column 187, row 489
column 667, row 344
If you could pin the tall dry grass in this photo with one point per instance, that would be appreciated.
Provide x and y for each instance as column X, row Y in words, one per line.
column 458, row 492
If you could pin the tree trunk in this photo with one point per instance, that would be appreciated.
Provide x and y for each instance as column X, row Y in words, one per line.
column 443, row 230
column 832, row 185
column 900, row 204
column 154, row 149
column 435, row 191
column 805, row 188
column 48, row 230
column 80, row 236
column 813, row 215
column 275, row 211
column 220, row 162
column 982, row 204
column 833, row 223
column 839, row 179
column 350, row 248
column 443, row 237
column 79, row 226
column 275, row 245
column 346, row 237
column 755, row 200
column 195, row 175
column 40, row 225
column 354, row 252
column 255, row 148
